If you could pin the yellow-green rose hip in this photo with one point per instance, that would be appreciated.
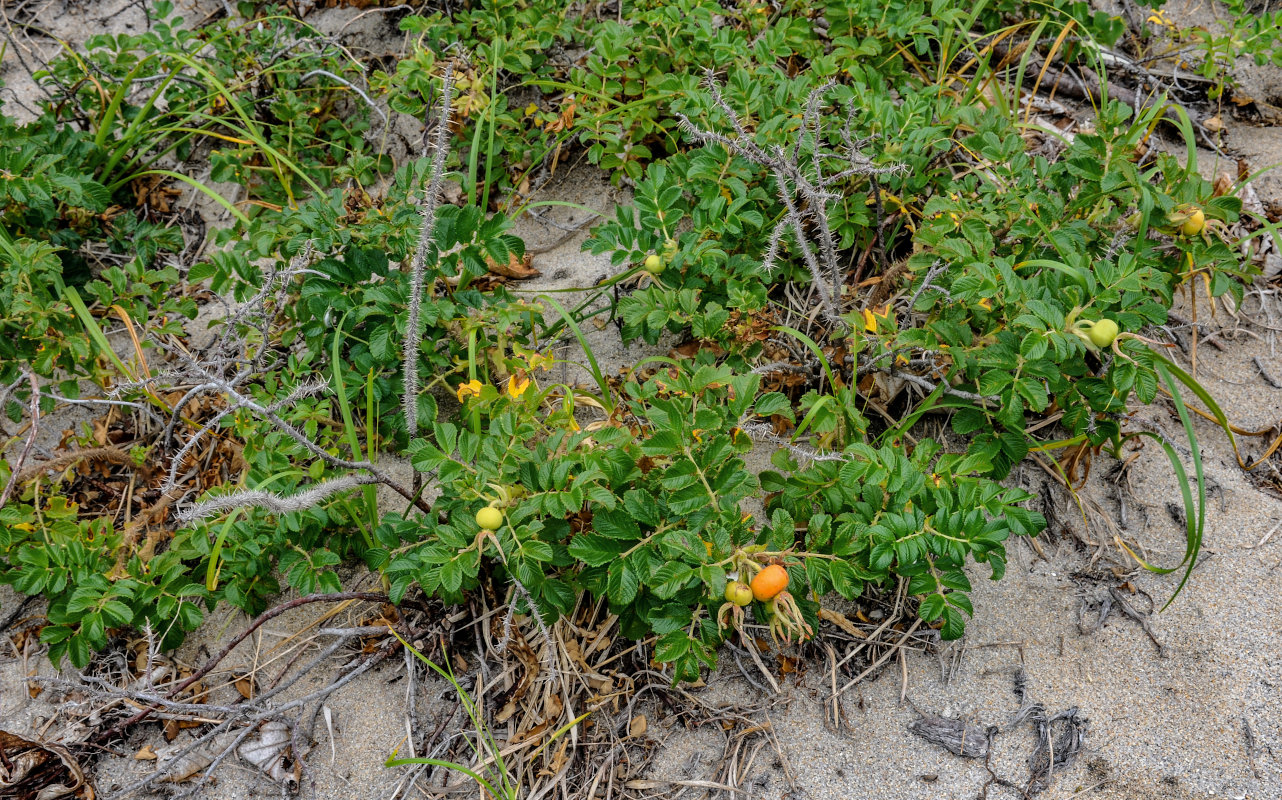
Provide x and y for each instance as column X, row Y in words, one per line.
column 1103, row 332
column 739, row 593
column 489, row 518
column 1194, row 224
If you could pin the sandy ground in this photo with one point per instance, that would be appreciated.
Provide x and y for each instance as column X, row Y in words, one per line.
column 1167, row 722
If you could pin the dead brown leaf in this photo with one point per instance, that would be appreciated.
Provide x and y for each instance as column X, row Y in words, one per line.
column 32, row 770
column 1223, row 185
column 516, row 268
column 637, row 726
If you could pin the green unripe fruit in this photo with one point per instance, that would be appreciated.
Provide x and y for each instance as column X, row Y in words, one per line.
column 1194, row 224
column 489, row 518
column 1103, row 332
column 739, row 593
column 653, row 264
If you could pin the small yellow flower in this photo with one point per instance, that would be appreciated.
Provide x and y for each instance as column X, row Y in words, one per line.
column 871, row 315
column 470, row 389
column 517, row 386
column 1158, row 17
column 986, row 304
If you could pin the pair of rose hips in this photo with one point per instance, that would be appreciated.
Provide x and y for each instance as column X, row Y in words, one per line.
column 765, row 586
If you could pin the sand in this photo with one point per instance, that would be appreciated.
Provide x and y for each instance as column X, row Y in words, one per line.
column 1167, row 723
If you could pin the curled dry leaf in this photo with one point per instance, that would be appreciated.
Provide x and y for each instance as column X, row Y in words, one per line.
column 638, row 725
column 1223, row 185
column 516, row 268
column 270, row 752
column 184, row 768
column 34, row 771
column 841, row 621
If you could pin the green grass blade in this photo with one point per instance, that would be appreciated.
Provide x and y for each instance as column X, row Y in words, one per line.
column 345, row 410
column 95, row 332
column 1213, row 408
column 1194, row 532
column 393, row 761
column 593, row 367
column 814, row 348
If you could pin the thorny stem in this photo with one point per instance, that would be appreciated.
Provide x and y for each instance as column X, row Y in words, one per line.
column 276, row 503
column 418, row 264
column 794, row 182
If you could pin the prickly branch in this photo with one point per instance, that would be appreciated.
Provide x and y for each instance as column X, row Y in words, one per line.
column 273, row 502
column 806, row 186
column 236, row 357
column 418, row 264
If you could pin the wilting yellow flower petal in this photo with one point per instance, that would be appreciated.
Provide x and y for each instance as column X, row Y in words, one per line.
column 516, row 387
column 470, row 389
column 871, row 315
column 986, row 304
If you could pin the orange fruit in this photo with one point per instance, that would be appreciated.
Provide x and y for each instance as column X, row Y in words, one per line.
column 769, row 582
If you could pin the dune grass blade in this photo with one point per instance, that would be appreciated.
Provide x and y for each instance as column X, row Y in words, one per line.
column 507, row 791
column 1194, row 512
column 594, row 368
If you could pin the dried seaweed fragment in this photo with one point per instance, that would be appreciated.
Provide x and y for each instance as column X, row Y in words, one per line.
column 1059, row 739
column 959, row 738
